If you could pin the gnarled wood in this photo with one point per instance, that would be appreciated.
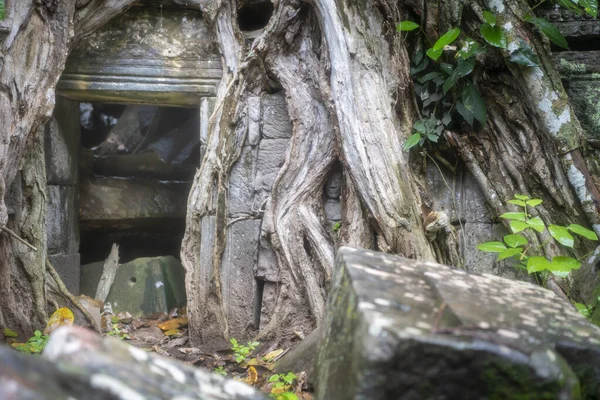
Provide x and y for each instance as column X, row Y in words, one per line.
column 32, row 56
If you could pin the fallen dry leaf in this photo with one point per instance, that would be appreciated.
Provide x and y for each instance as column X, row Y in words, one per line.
column 172, row 332
column 173, row 323
column 272, row 355
column 252, row 377
column 189, row 350
column 61, row 317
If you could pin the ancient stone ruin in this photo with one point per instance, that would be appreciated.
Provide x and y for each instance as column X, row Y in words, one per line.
column 128, row 133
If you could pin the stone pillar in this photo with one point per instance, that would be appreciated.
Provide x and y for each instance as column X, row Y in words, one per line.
column 62, row 143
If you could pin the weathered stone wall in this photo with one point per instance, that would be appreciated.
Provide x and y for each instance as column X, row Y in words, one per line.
column 62, row 223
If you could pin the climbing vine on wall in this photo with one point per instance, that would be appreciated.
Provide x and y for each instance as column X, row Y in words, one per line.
column 442, row 73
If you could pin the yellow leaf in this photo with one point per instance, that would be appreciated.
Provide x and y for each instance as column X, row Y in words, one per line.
column 273, row 354
column 252, row 376
column 172, row 332
column 252, row 361
column 61, row 317
column 173, row 323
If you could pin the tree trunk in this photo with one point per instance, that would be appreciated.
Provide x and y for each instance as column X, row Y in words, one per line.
column 345, row 73
column 35, row 39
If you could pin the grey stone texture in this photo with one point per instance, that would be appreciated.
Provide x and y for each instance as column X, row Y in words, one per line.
column 269, row 301
column 580, row 69
column 68, row 267
column 267, row 267
column 271, row 156
column 142, row 286
column 124, row 203
column 404, row 329
column 153, row 55
column 61, row 144
column 62, row 222
column 237, row 273
column 78, row 364
column 275, row 118
column 61, row 147
column 241, row 183
column 468, row 205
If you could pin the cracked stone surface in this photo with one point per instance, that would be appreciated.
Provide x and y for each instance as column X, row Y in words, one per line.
column 405, row 329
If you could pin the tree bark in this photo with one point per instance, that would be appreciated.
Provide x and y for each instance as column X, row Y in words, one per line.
column 345, row 73
column 34, row 45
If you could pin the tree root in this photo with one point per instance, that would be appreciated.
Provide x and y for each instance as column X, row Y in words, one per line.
column 65, row 292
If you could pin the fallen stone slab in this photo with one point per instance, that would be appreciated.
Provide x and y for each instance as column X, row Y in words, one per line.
column 142, row 286
column 404, row 329
column 78, row 364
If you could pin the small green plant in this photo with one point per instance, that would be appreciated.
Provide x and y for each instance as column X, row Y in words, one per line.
column 282, row 384
column 241, row 352
column 1, row 10
column 220, row 370
column 528, row 256
column 336, row 227
column 118, row 332
column 34, row 345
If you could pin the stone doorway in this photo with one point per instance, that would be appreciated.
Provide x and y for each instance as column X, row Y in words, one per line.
column 125, row 140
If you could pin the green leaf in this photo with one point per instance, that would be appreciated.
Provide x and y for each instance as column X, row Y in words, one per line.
column 466, row 114
column 463, row 68
column 537, row 224
column 518, row 226
column 563, row 264
column 447, row 68
column 509, row 253
column 412, row 141
column 274, row 378
column 494, row 35
column 590, row 7
column 583, row 309
column 517, row 202
column 434, row 54
column 1, row 10
column 473, row 102
column 469, row 49
column 562, row 235
column 580, row 230
column 515, row 240
column 407, row 26
column 550, row 31
column 521, row 197
column 569, row 5
column 446, row 39
column 524, row 55
column 489, row 17
column 537, row 264
column 534, row 202
column 418, row 52
column 519, row 216
column 7, row 331
column 491, row 247
column 429, row 76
